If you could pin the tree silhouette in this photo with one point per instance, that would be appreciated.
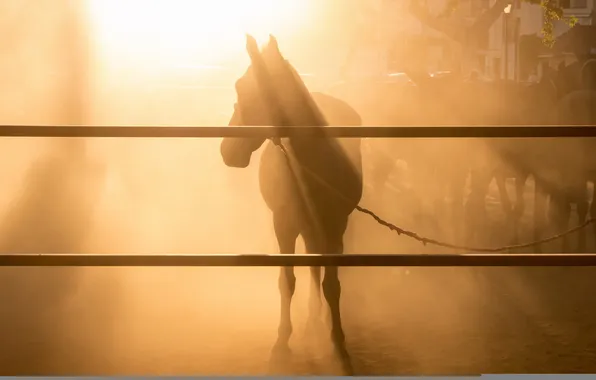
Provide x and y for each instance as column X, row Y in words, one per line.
column 467, row 34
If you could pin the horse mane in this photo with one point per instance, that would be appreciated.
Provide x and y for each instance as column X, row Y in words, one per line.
column 305, row 96
column 289, row 97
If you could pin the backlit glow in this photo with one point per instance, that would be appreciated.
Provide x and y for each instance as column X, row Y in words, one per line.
column 175, row 32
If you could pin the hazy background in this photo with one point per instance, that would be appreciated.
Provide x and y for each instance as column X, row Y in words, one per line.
column 152, row 196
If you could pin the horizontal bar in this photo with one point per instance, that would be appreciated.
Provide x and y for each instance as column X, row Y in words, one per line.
column 356, row 260
column 265, row 132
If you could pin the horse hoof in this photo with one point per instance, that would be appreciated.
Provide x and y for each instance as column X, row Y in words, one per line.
column 281, row 350
column 347, row 369
column 345, row 360
column 346, row 366
column 280, row 362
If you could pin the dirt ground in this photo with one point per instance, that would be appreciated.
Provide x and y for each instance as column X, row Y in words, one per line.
column 425, row 321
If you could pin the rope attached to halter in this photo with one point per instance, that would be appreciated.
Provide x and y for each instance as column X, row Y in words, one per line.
column 422, row 239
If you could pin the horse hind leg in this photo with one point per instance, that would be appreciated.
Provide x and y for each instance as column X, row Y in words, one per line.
column 315, row 301
column 582, row 214
column 313, row 245
column 593, row 212
column 332, row 292
column 560, row 212
column 286, row 233
column 475, row 207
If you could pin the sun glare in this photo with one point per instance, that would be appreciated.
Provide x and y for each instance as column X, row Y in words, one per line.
column 182, row 31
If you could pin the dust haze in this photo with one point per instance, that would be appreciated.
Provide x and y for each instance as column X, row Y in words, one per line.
column 158, row 196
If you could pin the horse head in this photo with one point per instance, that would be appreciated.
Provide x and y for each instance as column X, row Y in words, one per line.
column 267, row 94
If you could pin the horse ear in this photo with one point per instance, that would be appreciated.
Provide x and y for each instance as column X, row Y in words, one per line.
column 252, row 48
column 273, row 45
column 272, row 48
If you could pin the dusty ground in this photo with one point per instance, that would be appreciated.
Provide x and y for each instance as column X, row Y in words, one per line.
column 428, row 322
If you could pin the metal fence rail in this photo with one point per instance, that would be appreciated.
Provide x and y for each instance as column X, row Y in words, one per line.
column 356, row 260
column 360, row 260
column 265, row 131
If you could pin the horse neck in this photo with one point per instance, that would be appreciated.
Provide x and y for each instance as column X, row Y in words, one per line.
column 301, row 112
column 303, row 147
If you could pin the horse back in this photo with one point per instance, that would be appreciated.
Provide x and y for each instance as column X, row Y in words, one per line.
column 325, row 166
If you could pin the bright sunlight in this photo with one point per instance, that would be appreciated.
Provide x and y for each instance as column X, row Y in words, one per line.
column 174, row 32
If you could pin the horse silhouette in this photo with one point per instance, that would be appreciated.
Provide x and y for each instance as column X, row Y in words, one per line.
column 577, row 156
column 297, row 182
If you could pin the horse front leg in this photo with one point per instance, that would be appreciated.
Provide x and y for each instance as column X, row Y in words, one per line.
column 520, row 204
column 540, row 197
column 476, row 218
column 286, row 232
column 501, row 182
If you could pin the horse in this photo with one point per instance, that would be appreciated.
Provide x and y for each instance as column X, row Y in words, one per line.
column 563, row 182
column 491, row 103
column 311, row 186
column 576, row 163
column 411, row 103
column 511, row 104
column 442, row 168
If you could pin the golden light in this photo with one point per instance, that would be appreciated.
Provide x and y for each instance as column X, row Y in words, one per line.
column 180, row 31
column 152, row 58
